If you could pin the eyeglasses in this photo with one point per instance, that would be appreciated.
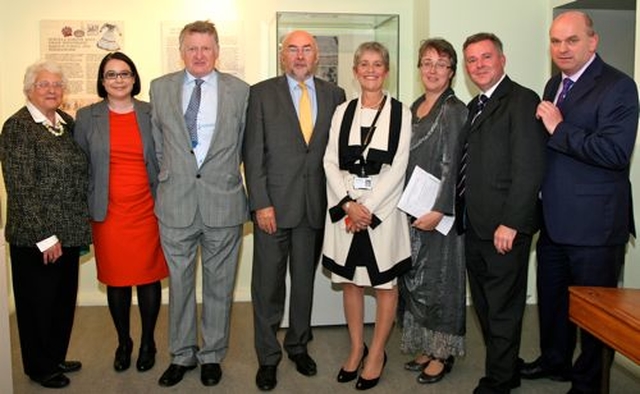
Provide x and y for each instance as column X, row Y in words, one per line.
column 294, row 50
column 45, row 85
column 429, row 65
column 111, row 75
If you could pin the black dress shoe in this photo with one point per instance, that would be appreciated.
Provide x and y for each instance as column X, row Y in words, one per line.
column 210, row 374
column 366, row 384
column 55, row 381
column 447, row 365
column 122, row 360
column 304, row 364
column 415, row 366
column 535, row 370
column 146, row 358
column 173, row 375
column 69, row 366
column 347, row 376
column 266, row 377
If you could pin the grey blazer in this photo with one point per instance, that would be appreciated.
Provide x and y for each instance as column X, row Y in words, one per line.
column 215, row 190
column 281, row 170
column 92, row 134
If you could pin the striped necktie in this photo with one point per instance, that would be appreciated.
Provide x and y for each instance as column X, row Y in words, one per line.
column 567, row 84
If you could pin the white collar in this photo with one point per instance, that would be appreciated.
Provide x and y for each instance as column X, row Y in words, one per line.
column 39, row 117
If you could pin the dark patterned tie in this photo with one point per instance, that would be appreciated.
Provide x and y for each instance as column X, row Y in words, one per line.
column 567, row 83
column 191, row 114
column 462, row 171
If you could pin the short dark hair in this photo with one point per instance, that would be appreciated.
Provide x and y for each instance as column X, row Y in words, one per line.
column 481, row 37
column 443, row 47
column 102, row 92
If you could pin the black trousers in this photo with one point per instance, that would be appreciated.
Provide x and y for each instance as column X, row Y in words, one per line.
column 45, row 298
column 498, row 285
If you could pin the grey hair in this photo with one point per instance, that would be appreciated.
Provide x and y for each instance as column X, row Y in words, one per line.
column 372, row 46
column 36, row 68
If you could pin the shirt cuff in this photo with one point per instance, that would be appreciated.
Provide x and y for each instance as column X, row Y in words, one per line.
column 47, row 243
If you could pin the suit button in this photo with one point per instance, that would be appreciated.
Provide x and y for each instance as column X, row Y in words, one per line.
column 191, row 151
column 198, row 176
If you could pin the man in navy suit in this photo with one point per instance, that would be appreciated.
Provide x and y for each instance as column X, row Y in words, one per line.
column 586, row 194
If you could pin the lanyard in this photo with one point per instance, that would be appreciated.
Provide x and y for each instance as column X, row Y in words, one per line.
column 372, row 128
column 368, row 137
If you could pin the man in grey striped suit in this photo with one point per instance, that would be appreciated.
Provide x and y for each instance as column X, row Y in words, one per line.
column 198, row 125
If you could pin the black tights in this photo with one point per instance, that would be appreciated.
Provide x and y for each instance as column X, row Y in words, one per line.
column 149, row 298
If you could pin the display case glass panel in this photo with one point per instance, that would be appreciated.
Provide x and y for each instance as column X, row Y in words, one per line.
column 338, row 35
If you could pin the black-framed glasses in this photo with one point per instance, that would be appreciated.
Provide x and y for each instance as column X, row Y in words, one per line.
column 112, row 75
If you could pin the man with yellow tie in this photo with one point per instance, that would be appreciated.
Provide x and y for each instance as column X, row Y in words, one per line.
column 287, row 128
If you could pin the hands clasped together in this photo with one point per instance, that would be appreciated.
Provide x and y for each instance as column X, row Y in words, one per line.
column 358, row 216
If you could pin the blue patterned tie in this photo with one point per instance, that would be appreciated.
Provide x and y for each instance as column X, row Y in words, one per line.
column 567, row 83
column 191, row 115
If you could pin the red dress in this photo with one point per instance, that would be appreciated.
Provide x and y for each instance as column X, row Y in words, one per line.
column 127, row 243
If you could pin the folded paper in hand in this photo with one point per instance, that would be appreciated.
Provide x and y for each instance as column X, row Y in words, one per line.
column 420, row 195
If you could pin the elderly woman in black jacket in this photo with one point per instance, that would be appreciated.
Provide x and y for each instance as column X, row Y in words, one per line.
column 46, row 176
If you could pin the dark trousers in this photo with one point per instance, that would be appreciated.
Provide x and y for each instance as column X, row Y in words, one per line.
column 299, row 248
column 561, row 266
column 498, row 285
column 45, row 297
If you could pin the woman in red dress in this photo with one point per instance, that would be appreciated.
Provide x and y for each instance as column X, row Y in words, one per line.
column 116, row 136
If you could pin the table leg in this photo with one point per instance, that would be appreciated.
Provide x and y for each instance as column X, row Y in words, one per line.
column 607, row 359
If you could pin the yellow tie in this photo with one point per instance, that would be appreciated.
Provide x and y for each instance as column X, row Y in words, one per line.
column 305, row 115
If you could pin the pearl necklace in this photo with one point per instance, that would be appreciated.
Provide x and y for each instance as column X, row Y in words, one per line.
column 56, row 130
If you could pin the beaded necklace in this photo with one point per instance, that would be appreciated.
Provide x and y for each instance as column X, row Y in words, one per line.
column 56, row 130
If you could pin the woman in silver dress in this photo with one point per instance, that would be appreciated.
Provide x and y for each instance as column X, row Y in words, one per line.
column 432, row 306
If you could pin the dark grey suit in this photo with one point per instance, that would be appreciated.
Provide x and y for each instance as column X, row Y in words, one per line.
column 505, row 166
column 199, row 206
column 92, row 134
column 283, row 172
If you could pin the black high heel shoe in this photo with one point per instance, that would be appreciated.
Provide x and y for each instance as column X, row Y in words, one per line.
column 347, row 376
column 366, row 384
column 146, row 358
column 122, row 361
column 447, row 363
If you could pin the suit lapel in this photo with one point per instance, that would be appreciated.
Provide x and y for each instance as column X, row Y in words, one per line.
column 101, row 114
column 322, row 101
column 175, row 91
column 492, row 104
column 584, row 85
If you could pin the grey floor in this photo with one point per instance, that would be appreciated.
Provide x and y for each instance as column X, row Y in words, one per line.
column 94, row 342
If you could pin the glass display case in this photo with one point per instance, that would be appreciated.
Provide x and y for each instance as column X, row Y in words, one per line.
column 338, row 35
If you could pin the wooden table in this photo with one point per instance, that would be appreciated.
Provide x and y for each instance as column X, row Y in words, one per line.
column 611, row 315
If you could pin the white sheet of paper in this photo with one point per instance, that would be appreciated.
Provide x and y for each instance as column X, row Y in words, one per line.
column 420, row 195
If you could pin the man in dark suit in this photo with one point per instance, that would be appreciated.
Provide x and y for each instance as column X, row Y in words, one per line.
column 504, row 168
column 198, row 125
column 586, row 194
column 283, row 165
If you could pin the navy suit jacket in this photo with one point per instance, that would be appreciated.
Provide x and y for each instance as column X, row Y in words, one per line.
column 586, row 193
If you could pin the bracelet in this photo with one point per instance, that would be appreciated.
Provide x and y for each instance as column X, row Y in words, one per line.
column 346, row 206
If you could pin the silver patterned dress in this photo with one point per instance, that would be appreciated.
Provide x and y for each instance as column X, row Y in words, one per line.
column 433, row 293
